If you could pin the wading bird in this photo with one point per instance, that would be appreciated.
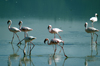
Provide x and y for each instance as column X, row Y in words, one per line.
column 91, row 30
column 56, row 42
column 24, row 29
column 13, row 29
column 27, row 39
column 94, row 19
column 54, row 31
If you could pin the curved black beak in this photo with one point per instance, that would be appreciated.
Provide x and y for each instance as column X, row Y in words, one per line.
column 48, row 27
column 45, row 41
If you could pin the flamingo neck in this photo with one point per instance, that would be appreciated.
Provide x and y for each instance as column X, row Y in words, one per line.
column 20, row 26
column 48, row 42
column 50, row 29
column 86, row 26
column 9, row 25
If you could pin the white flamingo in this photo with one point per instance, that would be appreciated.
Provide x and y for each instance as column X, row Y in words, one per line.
column 13, row 29
column 94, row 19
column 91, row 30
column 54, row 31
column 55, row 41
column 24, row 29
column 27, row 39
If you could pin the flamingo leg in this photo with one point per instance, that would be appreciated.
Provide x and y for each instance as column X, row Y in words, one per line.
column 32, row 47
column 92, row 24
column 12, row 38
column 54, row 35
column 24, row 49
column 24, row 34
column 55, row 50
column 96, row 38
column 17, row 36
column 63, row 50
column 59, row 36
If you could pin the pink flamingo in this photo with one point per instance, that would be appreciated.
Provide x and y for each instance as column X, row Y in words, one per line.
column 24, row 29
column 54, row 31
column 13, row 29
column 55, row 41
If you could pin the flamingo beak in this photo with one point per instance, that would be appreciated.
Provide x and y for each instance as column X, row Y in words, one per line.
column 45, row 41
column 48, row 27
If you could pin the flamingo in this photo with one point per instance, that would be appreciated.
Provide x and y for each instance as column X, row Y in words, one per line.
column 91, row 30
column 24, row 29
column 27, row 39
column 94, row 19
column 55, row 41
column 54, row 31
column 13, row 29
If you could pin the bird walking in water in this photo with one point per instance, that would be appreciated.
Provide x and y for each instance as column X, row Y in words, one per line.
column 56, row 42
column 54, row 31
column 91, row 30
column 24, row 29
column 94, row 19
column 27, row 39
column 13, row 29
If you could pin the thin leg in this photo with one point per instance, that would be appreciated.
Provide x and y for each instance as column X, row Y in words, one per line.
column 24, row 34
column 63, row 50
column 24, row 49
column 32, row 47
column 96, row 38
column 54, row 35
column 62, row 46
column 59, row 36
column 12, row 38
column 17, row 36
column 92, row 24
column 55, row 50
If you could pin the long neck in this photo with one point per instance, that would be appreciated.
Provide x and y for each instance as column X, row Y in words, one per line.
column 86, row 26
column 9, row 25
column 20, row 26
column 49, row 29
column 48, row 42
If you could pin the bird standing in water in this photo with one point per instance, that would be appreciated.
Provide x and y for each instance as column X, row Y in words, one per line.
column 91, row 30
column 27, row 39
column 54, row 31
column 56, row 42
column 13, row 29
column 94, row 19
column 24, row 29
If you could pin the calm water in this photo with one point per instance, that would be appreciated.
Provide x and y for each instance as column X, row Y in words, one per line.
column 77, row 46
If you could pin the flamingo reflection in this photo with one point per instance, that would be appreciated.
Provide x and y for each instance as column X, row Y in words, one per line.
column 92, row 57
column 25, row 60
column 55, row 59
column 13, row 56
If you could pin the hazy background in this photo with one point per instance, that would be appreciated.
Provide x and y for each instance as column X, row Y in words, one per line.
column 49, row 9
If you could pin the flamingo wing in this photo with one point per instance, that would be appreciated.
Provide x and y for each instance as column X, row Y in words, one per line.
column 14, row 29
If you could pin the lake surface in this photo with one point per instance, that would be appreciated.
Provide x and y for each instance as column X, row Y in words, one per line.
column 78, row 46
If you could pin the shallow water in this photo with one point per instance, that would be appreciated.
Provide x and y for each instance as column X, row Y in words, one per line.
column 78, row 46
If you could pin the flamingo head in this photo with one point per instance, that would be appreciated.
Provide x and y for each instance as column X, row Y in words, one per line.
column 46, row 40
column 96, row 14
column 86, row 24
column 9, row 21
column 20, row 22
column 49, row 26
